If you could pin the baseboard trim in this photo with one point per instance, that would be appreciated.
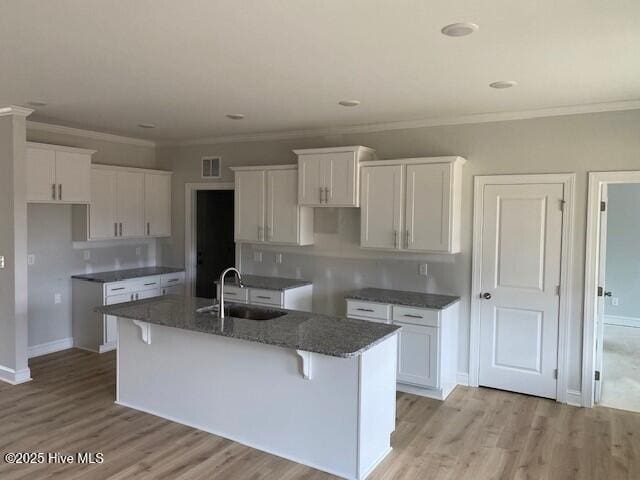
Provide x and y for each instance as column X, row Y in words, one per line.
column 9, row 375
column 50, row 347
column 622, row 321
column 462, row 379
column 574, row 398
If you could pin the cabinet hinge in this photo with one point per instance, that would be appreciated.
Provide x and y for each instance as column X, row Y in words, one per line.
column 597, row 375
column 603, row 206
column 555, row 374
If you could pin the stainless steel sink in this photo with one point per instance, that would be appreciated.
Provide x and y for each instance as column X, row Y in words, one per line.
column 252, row 313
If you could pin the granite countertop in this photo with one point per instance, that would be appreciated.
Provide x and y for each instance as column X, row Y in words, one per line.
column 120, row 275
column 399, row 297
column 311, row 332
column 266, row 283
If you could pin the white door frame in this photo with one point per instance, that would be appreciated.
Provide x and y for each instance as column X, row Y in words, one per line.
column 568, row 180
column 190, row 225
column 592, row 254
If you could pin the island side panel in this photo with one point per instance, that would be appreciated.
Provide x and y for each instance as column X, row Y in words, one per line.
column 249, row 392
column 377, row 403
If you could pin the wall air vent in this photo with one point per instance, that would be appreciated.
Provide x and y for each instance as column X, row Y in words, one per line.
column 211, row 167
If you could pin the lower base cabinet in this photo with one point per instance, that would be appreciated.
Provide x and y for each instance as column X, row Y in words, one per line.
column 99, row 333
column 297, row 298
column 427, row 344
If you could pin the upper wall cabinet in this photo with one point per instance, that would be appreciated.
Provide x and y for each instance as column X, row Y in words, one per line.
column 330, row 177
column 266, row 206
column 58, row 174
column 412, row 204
column 125, row 203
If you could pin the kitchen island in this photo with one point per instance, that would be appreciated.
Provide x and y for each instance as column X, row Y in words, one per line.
column 315, row 389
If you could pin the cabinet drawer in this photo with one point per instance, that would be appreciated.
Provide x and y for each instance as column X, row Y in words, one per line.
column 236, row 294
column 172, row 279
column 119, row 288
column 416, row 316
column 269, row 297
column 378, row 311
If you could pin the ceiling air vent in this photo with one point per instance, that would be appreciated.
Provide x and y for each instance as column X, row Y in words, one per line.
column 211, row 167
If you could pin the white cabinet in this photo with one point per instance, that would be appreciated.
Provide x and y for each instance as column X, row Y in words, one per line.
column 266, row 207
column 296, row 298
column 99, row 333
column 157, row 204
column 58, row 174
column 330, row 177
column 427, row 344
column 125, row 203
column 412, row 204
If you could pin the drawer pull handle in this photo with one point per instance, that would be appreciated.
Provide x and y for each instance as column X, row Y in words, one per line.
column 412, row 316
column 173, row 280
column 230, row 293
column 119, row 288
column 365, row 309
column 263, row 296
column 147, row 284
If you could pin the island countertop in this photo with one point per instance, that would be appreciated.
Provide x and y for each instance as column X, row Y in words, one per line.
column 311, row 332
column 121, row 275
column 267, row 283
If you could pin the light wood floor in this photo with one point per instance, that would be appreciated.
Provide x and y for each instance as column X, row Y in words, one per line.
column 476, row 434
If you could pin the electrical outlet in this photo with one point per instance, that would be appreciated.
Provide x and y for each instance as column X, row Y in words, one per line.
column 31, row 259
column 87, row 254
column 57, row 298
column 1, row 261
column 257, row 257
column 278, row 258
column 422, row 270
column 615, row 301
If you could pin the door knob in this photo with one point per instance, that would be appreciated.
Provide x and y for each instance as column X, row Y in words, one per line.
column 486, row 296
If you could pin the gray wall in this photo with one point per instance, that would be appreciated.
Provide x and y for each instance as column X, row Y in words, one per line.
column 623, row 250
column 576, row 143
column 57, row 257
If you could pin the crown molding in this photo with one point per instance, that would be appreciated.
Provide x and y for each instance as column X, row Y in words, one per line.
column 107, row 137
column 15, row 110
column 411, row 124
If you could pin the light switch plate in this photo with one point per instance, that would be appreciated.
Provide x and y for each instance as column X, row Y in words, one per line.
column 57, row 298
column 423, row 269
column 615, row 301
column 31, row 259
column 1, row 261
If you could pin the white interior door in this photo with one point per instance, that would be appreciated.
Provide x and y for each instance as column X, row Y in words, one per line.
column 381, row 205
column 602, row 275
column 41, row 175
column 250, row 206
column 520, row 277
column 103, row 215
column 283, row 215
column 428, row 207
column 130, row 204
column 73, row 171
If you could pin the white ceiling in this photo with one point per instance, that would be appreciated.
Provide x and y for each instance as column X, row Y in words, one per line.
column 183, row 64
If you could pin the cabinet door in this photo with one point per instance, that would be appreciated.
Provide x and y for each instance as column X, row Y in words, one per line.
column 340, row 177
column 418, row 355
column 73, row 176
column 102, row 209
column 41, row 175
column 250, row 206
column 174, row 290
column 157, row 204
column 428, row 207
column 283, row 213
column 130, row 204
column 311, row 180
column 155, row 292
column 381, row 205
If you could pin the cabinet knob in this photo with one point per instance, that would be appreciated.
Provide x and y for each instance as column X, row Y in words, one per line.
column 486, row 296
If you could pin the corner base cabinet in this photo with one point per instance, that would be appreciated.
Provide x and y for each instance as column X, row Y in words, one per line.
column 427, row 344
column 99, row 333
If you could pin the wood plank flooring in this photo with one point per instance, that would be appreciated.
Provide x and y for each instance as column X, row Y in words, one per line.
column 476, row 434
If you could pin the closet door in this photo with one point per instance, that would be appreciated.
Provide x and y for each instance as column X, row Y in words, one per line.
column 381, row 205
column 103, row 216
column 41, row 175
column 428, row 207
column 250, row 206
column 130, row 204
column 283, row 213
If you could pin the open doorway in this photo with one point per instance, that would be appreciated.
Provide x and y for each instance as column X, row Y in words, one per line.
column 215, row 246
column 612, row 292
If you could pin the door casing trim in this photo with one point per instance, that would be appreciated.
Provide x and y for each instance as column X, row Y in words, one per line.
column 566, row 269
column 190, row 234
column 592, row 252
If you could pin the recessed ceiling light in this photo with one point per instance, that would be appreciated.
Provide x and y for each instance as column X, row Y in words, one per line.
column 235, row 116
column 36, row 103
column 349, row 103
column 459, row 29
column 146, row 125
column 503, row 84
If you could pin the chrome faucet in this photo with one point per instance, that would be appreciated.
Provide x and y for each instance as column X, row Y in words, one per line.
column 221, row 302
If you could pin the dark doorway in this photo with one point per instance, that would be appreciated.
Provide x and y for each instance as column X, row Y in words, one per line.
column 214, row 242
